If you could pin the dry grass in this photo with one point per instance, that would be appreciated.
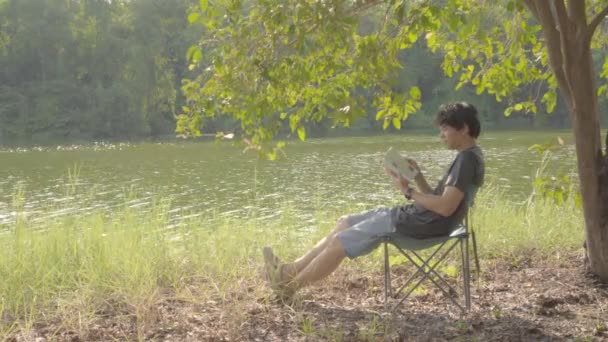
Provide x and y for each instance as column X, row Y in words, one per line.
column 128, row 277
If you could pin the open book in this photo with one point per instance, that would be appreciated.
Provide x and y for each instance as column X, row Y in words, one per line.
column 399, row 165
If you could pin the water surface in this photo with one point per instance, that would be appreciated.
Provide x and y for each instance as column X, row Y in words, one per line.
column 219, row 179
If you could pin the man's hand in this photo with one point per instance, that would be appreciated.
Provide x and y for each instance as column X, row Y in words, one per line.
column 421, row 182
column 413, row 164
column 399, row 181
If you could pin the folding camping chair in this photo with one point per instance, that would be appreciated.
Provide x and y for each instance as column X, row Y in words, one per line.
column 426, row 268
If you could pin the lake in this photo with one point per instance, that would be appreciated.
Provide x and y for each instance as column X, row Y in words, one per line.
column 215, row 180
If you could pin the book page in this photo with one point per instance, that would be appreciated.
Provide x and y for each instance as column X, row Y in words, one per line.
column 398, row 164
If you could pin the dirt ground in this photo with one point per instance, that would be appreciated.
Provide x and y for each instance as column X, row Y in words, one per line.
column 524, row 299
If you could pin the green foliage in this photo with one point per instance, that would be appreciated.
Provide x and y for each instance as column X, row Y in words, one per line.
column 553, row 183
column 90, row 70
column 297, row 62
column 279, row 74
column 293, row 62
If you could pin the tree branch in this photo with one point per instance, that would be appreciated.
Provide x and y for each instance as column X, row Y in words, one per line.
column 562, row 18
column 553, row 43
column 578, row 13
column 565, row 29
column 532, row 6
column 558, row 9
column 356, row 10
column 596, row 21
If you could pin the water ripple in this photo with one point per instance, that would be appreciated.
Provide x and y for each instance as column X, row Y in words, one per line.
column 220, row 181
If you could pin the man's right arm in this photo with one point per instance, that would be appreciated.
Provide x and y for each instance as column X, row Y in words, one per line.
column 421, row 183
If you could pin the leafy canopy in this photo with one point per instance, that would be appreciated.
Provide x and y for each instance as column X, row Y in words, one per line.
column 280, row 64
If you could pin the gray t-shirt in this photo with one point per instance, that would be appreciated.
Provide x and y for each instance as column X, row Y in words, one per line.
column 465, row 173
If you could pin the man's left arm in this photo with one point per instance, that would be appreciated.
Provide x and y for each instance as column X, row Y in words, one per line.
column 459, row 178
column 444, row 204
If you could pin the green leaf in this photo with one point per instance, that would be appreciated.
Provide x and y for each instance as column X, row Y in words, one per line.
column 431, row 40
column 192, row 17
column 302, row 133
column 397, row 123
column 203, row 5
column 415, row 93
column 191, row 51
column 511, row 6
column 550, row 100
column 412, row 36
column 294, row 120
column 197, row 56
column 399, row 12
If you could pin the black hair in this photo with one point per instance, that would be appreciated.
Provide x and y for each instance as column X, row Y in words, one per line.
column 457, row 115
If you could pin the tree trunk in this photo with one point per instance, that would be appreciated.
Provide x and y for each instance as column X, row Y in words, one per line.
column 594, row 185
column 567, row 39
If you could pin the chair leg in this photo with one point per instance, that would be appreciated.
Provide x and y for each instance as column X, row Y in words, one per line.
column 466, row 275
column 475, row 254
column 387, row 275
column 427, row 274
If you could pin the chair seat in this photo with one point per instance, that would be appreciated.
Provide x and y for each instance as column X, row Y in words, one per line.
column 411, row 243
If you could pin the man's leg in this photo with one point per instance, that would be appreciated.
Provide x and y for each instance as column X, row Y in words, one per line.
column 360, row 239
column 343, row 223
column 327, row 255
column 321, row 265
column 289, row 270
column 308, row 257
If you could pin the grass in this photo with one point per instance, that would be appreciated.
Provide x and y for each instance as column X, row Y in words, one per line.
column 506, row 227
column 83, row 266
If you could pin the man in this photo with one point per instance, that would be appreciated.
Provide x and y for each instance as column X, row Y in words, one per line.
column 434, row 212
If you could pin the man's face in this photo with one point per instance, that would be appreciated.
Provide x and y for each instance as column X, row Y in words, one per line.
column 451, row 136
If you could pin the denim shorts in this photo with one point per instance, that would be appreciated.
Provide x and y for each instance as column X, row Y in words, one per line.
column 365, row 231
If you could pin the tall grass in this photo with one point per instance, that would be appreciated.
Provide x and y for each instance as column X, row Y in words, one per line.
column 83, row 265
column 504, row 226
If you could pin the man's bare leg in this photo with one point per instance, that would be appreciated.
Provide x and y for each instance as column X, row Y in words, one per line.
column 303, row 261
column 289, row 271
column 320, row 266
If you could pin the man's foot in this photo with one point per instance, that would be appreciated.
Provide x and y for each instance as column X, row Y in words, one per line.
column 270, row 258
column 274, row 273
column 272, row 267
column 271, row 263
